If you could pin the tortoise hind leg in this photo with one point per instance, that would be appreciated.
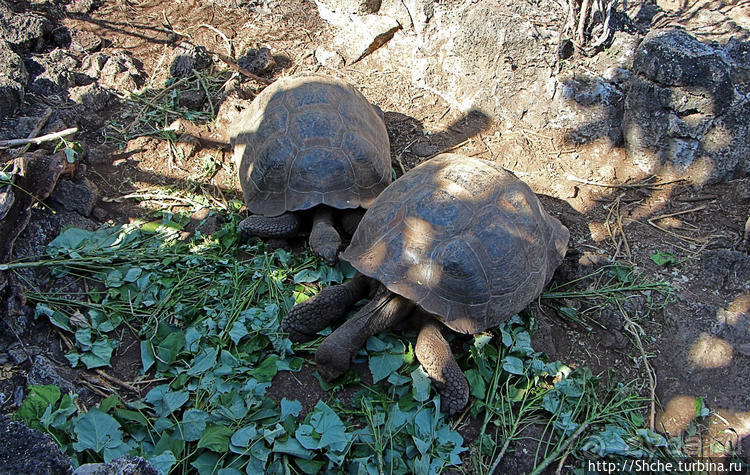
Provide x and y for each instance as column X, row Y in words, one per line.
column 284, row 226
column 434, row 353
column 331, row 304
column 335, row 354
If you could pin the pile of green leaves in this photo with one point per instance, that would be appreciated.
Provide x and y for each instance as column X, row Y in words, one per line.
column 208, row 326
column 206, row 312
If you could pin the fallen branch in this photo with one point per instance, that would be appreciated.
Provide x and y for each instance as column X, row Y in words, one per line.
column 38, row 140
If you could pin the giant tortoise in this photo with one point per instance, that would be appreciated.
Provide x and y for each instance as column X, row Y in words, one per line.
column 457, row 240
column 309, row 142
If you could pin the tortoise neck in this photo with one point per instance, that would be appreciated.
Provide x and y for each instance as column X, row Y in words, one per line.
column 323, row 215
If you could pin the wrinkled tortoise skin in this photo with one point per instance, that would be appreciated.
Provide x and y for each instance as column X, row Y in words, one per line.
column 463, row 239
column 310, row 140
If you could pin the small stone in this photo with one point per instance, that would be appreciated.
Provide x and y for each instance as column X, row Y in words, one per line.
column 85, row 41
column 81, row 6
column 17, row 354
column 43, row 372
column 192, row 100
column 125, row 465
column 258, row 61
column 119, row 162
column 188, row 57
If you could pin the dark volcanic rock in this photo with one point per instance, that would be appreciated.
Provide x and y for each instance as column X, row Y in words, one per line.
column 93, row 97
column 52, row 74
column 193, row 99
column 23, row 30
column 258, row 61
column 188, row 57
column 75, row 196
column 686, row 108
column 43, row 372
column 125, row 465
column 13, row 78
column 27, row 450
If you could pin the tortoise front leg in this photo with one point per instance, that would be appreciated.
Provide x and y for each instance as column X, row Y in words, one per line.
column 434, row 353
column 331, row 304
column 284, row 226
column 324, row 239
column 336, row 352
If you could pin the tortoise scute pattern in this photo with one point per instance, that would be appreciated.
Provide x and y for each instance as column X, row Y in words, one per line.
column 461, row 237
column 310, row 140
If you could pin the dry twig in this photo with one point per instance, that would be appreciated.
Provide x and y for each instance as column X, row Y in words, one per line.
column 38, row 140
column 634, row 329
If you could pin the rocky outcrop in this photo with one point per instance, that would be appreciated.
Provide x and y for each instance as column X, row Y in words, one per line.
column 13, row 77
column 27, row 450
column 687, row 109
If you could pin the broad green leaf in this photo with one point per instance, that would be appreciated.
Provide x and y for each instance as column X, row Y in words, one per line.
column 513, row 365
column 204, row 361
column 193, row 424
column 663, row 258
column 101, row 352
column 290, row 407
column 37, row 401
column 476, row 384
column 163, row 462
column 147, row 356
column 700, row 408
column 96, row 431
column 292, row 447
column 266, row 370
column 238, row 331
column 420, row 384
column 383, row 364
column 216, row 438
column 206, row 463
column 242, row 437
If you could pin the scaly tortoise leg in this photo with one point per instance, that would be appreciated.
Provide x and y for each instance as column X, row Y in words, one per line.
column 335, row 354
column 434, row 353
column 331, row 304
column 324, row 239
column 284, row 226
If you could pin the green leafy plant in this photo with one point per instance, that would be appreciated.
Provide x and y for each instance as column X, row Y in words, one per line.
column 210, row 345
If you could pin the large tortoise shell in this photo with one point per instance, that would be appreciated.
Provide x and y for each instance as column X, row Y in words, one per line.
column 310, row 140
column 461, row 237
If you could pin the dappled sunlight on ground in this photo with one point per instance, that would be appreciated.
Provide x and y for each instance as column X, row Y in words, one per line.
column 711, row 352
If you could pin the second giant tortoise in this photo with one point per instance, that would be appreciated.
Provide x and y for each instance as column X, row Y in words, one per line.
column 457, row 240
column 309, row 142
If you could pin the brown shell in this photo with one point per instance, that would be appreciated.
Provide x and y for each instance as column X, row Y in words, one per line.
column 310, row 140
column 462, row 238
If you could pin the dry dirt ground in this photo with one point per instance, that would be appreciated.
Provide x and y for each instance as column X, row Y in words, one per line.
column 698, row 344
